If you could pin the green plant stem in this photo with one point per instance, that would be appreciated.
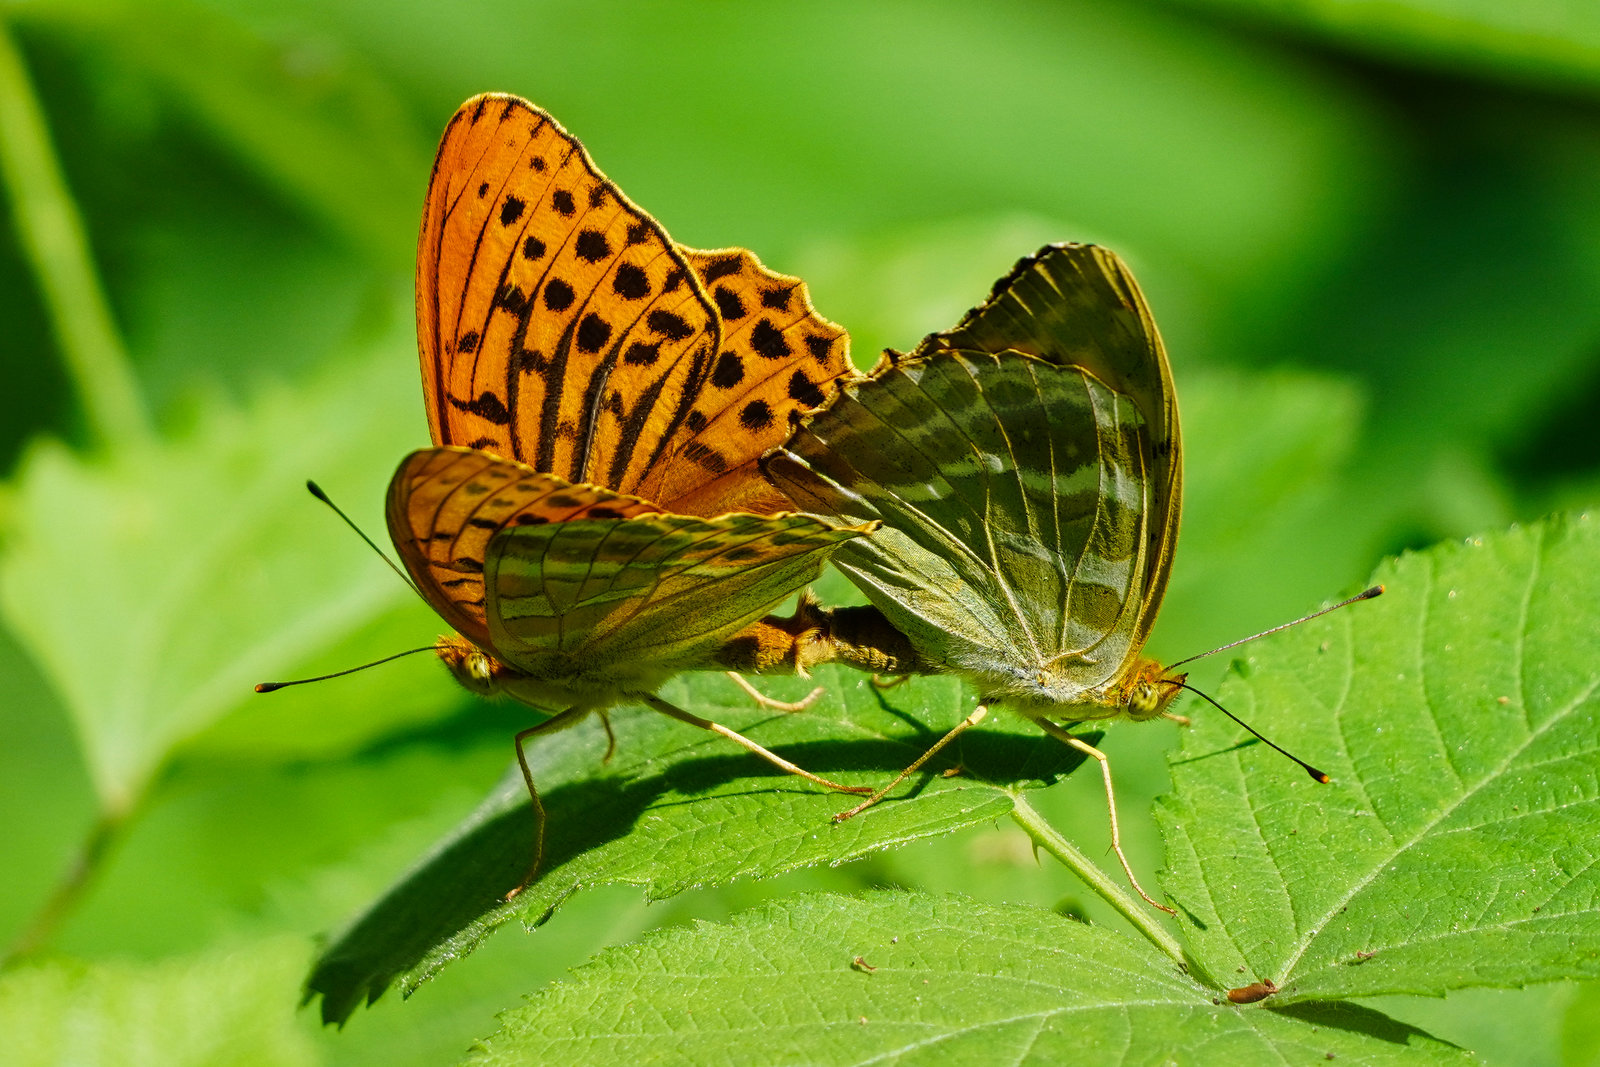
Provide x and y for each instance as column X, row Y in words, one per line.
column 53, row 239
column 68, row 891
column 1046, row 837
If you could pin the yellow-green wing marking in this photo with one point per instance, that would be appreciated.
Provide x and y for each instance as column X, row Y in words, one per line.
column 1014, row 506
column 1028, row 484
column 666, row 590
column 1078, row 305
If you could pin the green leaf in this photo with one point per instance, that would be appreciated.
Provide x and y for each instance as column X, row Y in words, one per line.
column 909, row 979
column 154, row 588
column 1580, row 1036
column 1551, row 43
column 306, row 114
column 676, row 809
column 218, row 1007
column 1458, row 716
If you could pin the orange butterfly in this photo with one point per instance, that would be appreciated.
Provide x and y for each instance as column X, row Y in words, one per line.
column 613, row 393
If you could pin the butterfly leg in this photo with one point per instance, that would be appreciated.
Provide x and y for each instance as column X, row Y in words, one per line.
column 880, row 682
column 560, row 722
column 960, row 728
column 1111, row 803
column 776, row 705
column 738, row 738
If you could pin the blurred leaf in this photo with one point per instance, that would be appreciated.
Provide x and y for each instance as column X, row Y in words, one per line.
column 676, row 810
column 945, row 980
column 155, row 588
column 1544, row 43
column 302, row 111
column 1580, row 1037
column 1238, row 169
column 1263, row 537
column 225, row 1006
column 1520, row 1026
column 1458, row 717
column 45, row 800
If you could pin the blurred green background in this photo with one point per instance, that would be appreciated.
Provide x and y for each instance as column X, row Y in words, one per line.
column 1371, row 235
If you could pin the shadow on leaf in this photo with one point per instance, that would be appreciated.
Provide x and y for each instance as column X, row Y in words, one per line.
column 1342, row 1015
column 454, row 896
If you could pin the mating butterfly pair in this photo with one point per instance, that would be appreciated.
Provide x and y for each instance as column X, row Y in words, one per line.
column 597, row 513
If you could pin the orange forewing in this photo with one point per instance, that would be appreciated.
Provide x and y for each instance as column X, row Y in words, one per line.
column 559, row 325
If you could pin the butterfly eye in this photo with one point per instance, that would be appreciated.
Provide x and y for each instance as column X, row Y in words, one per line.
column 1146, row 701
column 472, row 667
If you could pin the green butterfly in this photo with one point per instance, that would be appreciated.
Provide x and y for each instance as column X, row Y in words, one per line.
column 1026, row 468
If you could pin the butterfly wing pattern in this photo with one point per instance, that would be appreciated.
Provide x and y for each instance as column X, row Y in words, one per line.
column 581, row 595
column 1025, row 466
column 561, row 327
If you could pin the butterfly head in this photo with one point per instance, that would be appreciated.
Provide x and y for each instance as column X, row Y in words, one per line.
column 1141, row 692
column 1150, row 689
column 473, row 668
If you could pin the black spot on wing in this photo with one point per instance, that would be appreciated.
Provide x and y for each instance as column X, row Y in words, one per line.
column 593, row 333
column 512, row 210
column 487, row 406
column 558, row 295
column 768, row 340
column 729, row 304
column 718, row 269
column 591, row 246
column 640, row 354
column 630, row 282
column 669, row 325
column 756, row 415
column 805, row 390
column 729, row 371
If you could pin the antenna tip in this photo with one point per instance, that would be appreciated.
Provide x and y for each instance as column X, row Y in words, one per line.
column 316, row 490
column 1319, row 777
column 268, row 687
column 1376, row 590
